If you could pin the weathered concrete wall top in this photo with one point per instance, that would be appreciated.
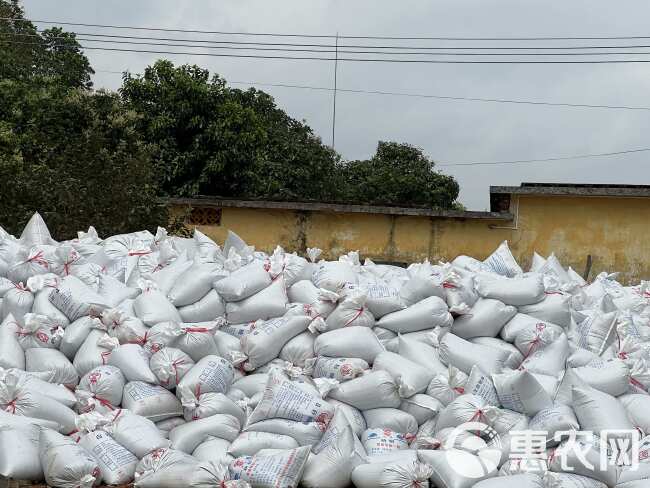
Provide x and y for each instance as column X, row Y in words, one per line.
column 613, row 230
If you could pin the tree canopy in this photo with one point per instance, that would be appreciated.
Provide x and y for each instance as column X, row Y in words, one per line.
column 72, row 154
column 210, row 139
column 81, row 156
column 28, row 55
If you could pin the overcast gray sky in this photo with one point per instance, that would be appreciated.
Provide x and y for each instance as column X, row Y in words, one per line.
column 453, row 131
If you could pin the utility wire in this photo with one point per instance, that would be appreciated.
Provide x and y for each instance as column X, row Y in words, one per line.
column 563, row 158
column 345, row 51
column 420, row 95
column 347, row 46
column 371, row 60
column 136, row 43
column 445, row 97
column 331, row 36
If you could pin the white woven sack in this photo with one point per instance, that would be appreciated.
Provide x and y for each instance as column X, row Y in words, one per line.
column 410, row 377
column 65, row 463
column 268, row 339
column 464, row 355
column 250, row 443
column 485, row 319
column 116, row 464
column 425, row 314
column 151, row 401
column 188, row 436
column 209, row 307
column 153, row 307
column 138, row 434
column 373, row 390
column 210, row 374
column 193, row 284
column 518, row 291
column 349, row 342
column 133, row 361
column 52, row 360
column 19, row 453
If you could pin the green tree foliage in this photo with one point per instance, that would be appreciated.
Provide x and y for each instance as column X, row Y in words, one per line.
column 28, row 55
column 399, row 174
column 77, row 158
column 210, row 139
column 71, row 154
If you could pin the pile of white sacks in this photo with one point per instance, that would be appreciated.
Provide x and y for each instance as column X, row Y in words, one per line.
column 173, row 362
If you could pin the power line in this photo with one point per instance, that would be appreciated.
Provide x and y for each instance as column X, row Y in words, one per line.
column 332, row 36
column 347, row 46
column 446, row 97
column 563, row 158
column 199, row 46
column 423, row 95
column 371, row 60
column 111, row 41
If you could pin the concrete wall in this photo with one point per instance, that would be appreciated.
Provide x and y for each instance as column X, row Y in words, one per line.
column 613, row 230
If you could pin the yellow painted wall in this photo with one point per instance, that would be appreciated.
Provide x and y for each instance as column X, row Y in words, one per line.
column 614, row 231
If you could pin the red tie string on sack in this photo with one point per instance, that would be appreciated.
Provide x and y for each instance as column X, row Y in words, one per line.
column 140, row 340
column 359, row 312
column 104, row 402
column 279, row 274
column 621, row 354
column 197, row 394
column 138, row 253
column 20, row 287
column 38, row 259
column 638, row 384
column 459, row 389
column 197, row 329
column 478, row 416
column 553, row 293
column 67, row 264
column 11, row 406
column 23, row 332
column 446, row 284
column 532, row 346
column 643, row 294
column 175, row 365
column 105, row 355
column 119, row 412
